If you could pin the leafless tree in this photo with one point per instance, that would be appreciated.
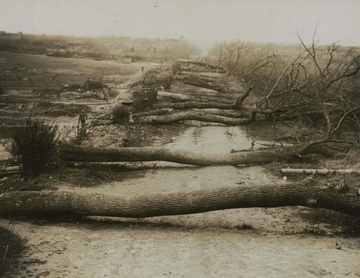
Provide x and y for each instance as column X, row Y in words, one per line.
column 315, row 82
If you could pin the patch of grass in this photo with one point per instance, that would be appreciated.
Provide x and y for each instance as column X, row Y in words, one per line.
column 315, row 231
column 348, row 224
column 36, row 146
column 11, row 249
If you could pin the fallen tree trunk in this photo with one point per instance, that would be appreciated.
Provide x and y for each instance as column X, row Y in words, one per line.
column 9, row 173
column 162, row 94
column 206, row 65
column 76, row 153
column 210, row 105
column 164, row 111
column 187, row 70
column 195, row 104
column 161, row 111
column 193, row 116
column 220, row 112
column 55, row 203
column 190, row 80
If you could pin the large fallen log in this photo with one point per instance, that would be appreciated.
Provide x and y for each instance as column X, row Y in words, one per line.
column 213, row 85
column 186, row 70
column 9, row 173
column 80, row 154
column 193, row 116
column 195, row 104
column 220, row 112
column 202, row 64
column 165, row 111
column 163, row 94
column 55, row 203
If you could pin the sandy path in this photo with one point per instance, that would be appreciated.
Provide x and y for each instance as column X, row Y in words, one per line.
column 146, row 250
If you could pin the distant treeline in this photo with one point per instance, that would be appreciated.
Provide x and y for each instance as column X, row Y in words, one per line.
column 114, row 48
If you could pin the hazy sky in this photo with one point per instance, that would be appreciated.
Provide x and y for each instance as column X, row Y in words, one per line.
column 252, row 20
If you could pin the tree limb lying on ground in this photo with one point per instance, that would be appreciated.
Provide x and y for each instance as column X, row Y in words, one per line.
column 75, row 153
column 195, row 116
column 53, row 203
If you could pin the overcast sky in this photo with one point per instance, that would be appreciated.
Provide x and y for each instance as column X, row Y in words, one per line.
column 252, row 20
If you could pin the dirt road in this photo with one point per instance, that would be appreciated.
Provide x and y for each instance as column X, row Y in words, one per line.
column 156, row 250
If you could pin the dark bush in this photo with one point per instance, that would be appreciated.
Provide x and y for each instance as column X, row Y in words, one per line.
column 36, row 145
column 120, row 115
column 144, row 100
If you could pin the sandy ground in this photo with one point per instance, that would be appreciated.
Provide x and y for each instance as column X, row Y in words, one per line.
column 121, row 250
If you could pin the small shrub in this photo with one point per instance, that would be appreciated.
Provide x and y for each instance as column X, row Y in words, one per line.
column 144, row 100
column 120, row 115
column 36, row 145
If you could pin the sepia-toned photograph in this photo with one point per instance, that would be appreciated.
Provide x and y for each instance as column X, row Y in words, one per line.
column 179, row 138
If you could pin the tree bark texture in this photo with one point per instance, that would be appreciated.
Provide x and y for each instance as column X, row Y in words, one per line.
column 203, row 83
column 54, row 203
column 175, row 97
column 195, row 104
column 209, row 66
column 163, row 94
column 76, row 153
column 165, row 111
column 194, row 116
